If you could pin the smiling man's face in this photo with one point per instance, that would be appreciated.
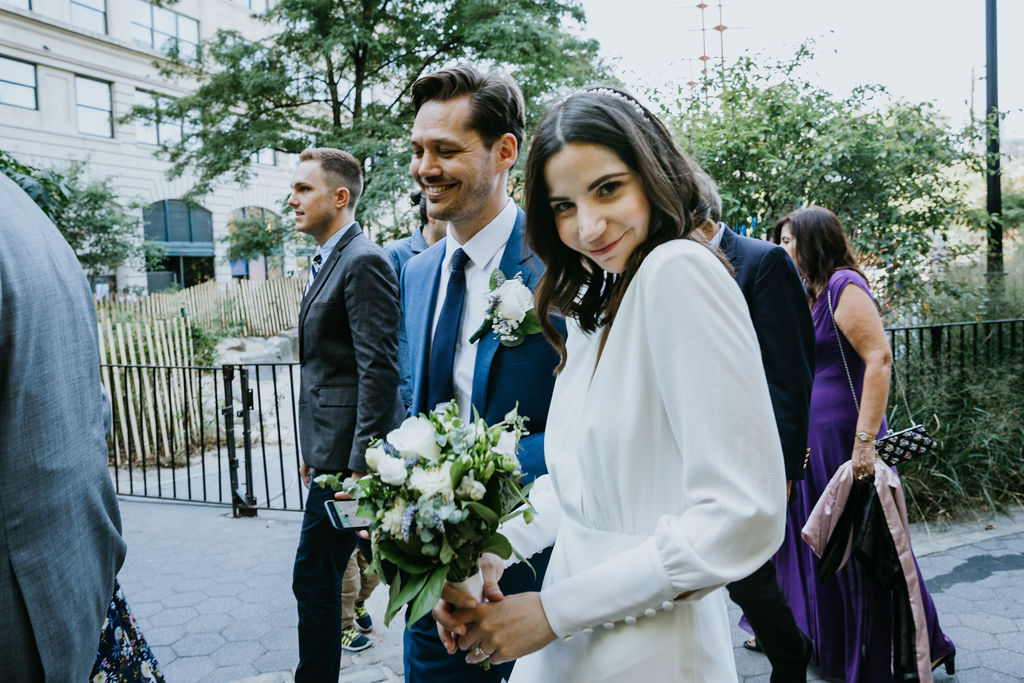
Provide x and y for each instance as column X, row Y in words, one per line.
column 461, row 176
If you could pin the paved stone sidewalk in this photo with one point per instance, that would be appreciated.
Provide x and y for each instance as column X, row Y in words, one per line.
column 213, row 597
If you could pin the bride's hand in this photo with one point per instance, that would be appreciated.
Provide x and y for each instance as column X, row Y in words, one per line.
column 449, row 628
column 505, row 630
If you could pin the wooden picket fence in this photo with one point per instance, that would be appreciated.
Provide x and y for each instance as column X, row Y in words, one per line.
column 254, row 308
column 156, row 394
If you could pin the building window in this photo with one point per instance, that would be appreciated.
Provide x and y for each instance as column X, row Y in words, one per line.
column 267, row 157
column 161, row 29
column 93, row 102
column 254, row 5
column 175, row 221
column 18, row 83
column 21, row 4
column 161, row 131
column 89, row 14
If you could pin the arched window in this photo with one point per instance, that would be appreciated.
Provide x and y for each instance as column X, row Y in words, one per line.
column 186, row 234
column 258, row 268
column 174, row 221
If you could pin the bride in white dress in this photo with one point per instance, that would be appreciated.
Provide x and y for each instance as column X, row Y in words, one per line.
column 665, row 472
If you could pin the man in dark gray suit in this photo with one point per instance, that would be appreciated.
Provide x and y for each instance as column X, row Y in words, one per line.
column 60, row 529
column 348, row 350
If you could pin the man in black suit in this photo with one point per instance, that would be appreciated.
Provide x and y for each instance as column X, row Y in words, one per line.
column 348, row 350
column 782, row 321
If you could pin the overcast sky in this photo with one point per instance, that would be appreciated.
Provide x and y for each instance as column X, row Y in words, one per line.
column 921, row 50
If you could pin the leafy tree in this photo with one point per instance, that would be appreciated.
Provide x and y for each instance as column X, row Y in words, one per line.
column 103, row 231
column 254, row 236
column 46, row 188
column 338, row 72
column 892, row 171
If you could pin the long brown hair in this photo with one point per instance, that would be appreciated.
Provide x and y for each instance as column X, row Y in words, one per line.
column 822, row 247
column 612, row 119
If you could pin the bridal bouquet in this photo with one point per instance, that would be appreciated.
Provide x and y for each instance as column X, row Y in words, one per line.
column 436, row 491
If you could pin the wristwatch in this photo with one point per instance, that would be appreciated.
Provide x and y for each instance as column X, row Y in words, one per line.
column 864, row 437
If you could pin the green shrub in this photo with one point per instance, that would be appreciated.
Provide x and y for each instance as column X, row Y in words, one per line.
column 977, row 414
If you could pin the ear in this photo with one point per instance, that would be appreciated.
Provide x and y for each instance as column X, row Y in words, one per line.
column 341, row 197
column 506, row 150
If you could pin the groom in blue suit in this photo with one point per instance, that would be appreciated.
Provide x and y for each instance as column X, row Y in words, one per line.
column 465, row 140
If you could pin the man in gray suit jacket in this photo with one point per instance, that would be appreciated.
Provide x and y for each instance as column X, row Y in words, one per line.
column 60, row 529
column 348, row 350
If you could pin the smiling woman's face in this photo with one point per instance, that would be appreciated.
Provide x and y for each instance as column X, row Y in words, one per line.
column 599, row 204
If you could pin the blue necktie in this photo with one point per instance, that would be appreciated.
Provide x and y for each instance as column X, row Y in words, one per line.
column 440, row 386
column 314, row 268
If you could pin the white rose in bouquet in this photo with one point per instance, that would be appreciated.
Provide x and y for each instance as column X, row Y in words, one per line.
column 470, row 488
column 514, row 300
column 373, row 456
column 416, row 437
column 506, row 444
column 433, row 481
column 392, row 520
column 392, row 470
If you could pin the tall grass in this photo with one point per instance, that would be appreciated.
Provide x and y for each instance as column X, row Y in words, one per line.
column 977, row 414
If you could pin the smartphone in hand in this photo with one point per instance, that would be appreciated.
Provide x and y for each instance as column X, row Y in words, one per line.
column 343, row 517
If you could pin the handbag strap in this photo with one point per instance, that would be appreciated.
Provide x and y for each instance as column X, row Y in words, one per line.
column 849, row 377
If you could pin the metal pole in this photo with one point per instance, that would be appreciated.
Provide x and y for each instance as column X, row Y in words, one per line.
column 241, row 506
column 249, row 500
column 994, row 202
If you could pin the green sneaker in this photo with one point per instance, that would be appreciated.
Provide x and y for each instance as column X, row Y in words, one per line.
column 354, row 641
column 363, row 621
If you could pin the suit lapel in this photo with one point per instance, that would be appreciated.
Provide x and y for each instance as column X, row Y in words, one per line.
column 324, row 274
column 418, row 309
column 511, row 263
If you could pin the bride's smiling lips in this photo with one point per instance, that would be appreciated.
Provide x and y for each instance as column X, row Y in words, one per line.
column 606, row 249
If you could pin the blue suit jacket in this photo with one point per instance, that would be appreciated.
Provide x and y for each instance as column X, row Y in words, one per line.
column 782, row 321
column 502, row 377
column 400, row 251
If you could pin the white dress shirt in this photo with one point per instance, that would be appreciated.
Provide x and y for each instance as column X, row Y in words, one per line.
column 484, row 250
column 327, row 247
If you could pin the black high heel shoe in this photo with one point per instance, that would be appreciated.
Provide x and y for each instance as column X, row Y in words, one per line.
column 949, row 660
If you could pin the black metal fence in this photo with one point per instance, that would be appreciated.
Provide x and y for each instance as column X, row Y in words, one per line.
column 958, row 346
column 225, row 436
column 229, row 435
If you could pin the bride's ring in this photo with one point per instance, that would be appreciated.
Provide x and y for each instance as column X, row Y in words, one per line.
column 479, row 652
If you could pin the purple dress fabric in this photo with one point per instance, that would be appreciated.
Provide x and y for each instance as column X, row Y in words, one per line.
column 848, row 617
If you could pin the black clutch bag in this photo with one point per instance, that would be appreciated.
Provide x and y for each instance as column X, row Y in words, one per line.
column 896, row 447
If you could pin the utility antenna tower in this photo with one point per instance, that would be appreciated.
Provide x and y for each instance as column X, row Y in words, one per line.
column 705, row 57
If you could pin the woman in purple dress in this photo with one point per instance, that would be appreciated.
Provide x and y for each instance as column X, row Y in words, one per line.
column 848, row 617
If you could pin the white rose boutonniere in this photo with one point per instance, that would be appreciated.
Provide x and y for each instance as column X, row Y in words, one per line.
column 510, row 313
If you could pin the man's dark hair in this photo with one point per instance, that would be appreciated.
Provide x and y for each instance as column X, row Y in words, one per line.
column 340, row 168
column 496, row 103
column 418, row 200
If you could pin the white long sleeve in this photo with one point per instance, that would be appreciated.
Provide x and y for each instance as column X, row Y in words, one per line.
column 675, row 449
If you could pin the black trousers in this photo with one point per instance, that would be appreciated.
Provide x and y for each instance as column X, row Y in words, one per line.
column 764, row 605
column 320, row 563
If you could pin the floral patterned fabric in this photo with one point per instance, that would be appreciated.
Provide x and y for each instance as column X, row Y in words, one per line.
column 123, row 655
